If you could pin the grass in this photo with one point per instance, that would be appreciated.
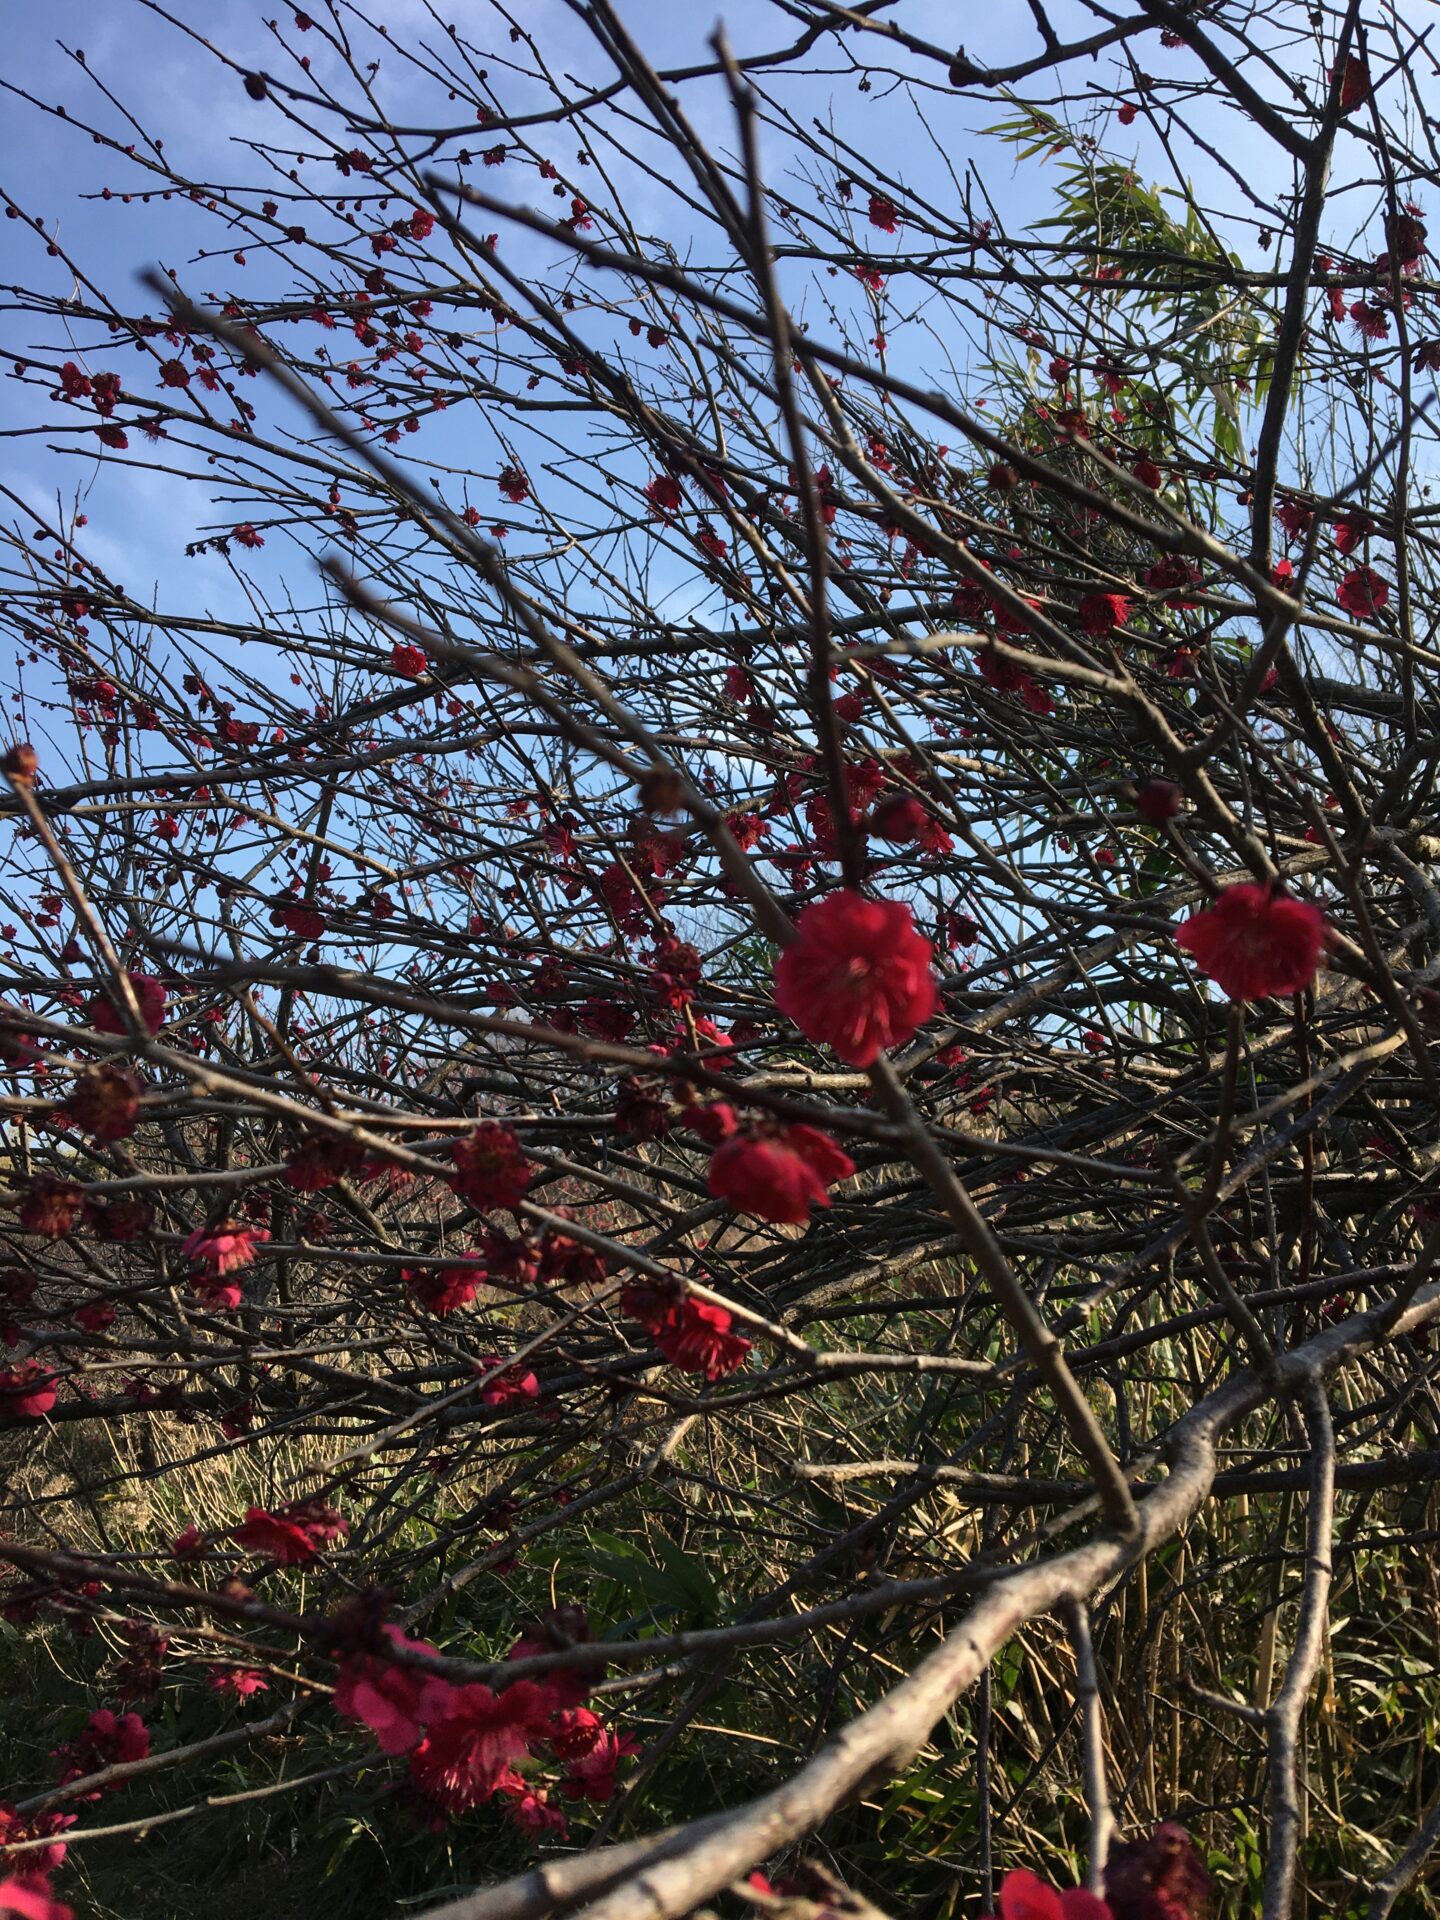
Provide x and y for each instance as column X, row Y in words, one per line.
column 690, row 1551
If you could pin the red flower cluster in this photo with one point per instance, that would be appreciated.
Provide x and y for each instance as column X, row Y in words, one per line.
column 105, row 1101
column 857, row 977
column 150, row 996
column 394, row 1702
column 1173, row 575
column 241, row 1683
column 27, row 1392
column 109, row 1739
column 1101, row 613
column 1157, row 801
column 49, row 1207
column 1354, row 84
column 1006, row 677
column 27, row 1897
column 903, row 819
column 320, row 1161
column 223, row 1249
column 778, row 1173
column 412, row 663
column 1159, row 1878
column 694, row 1335
column 665, row 493
column 294, row 1536
column 1362, row 593
column 444, row 1289
column 36, row 1864
column 1024, row 1896
column 511, row 1387
column 490, row 1168
column 592, row 1775
column 468, row 1747
column 1255, row 941
column 467, row 1742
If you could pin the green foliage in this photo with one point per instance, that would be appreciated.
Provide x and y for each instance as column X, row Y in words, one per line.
column 1174, row 271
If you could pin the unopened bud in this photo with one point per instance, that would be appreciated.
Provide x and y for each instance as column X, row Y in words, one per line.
column 661, row 790
column 22, row 763
column 1157, row 801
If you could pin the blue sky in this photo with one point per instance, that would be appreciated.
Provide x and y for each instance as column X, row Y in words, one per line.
column 171, row 86
column 140, row 520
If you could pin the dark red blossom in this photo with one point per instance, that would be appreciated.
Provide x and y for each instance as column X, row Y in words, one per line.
column 27, row 1392
column 241, row 1683
column 443, row 1290
column 528, row 1806
column 103, row 1013
column 321, row 1161
column 905, row 820
column 1157, row 801
column 1352, row 530
column 37, row 1826
column 21, row 763
column 1101, row 613
column 1362, row 593
column 641, row 1109
column 1159, row 1878
column 294, row 1536
column 224, row 1248
column 396, row 1702
column 574, row 1731
column 26, row 1895
column 49, row 1206
column 665, row 493
column 779, row 1175
column 1295, row 517
column 490, row 1168
column 563, row 1627
column 470, row 1745
column 1405, row 237
column 1354, row 84
column 410, row 662
column 506, row 1386
column 1025, row 1896
column 857, row 977
column 127, row 1219
column 105, row 1102
column 1007, row 677
column 694, row 1335
column 1172, row 574
column 108, row 1739
column 697, row 1339
column 594, row 1776
column 1255, row 941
